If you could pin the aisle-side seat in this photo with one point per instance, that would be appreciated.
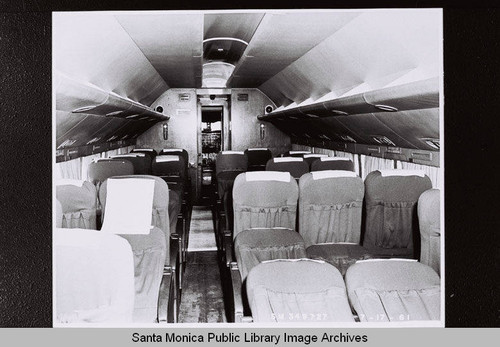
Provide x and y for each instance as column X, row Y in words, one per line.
column 101, row 169
column 430, row 233
column 94, row 277
column 257, row 158
column 391, row 223
column 172, row 169
column 330, row 209
column 296, row 153
column 264, row 199
column 383, row 290
column 79, row 203
column 140, row 161
column 156, row 254
column 149, row 151
column 312, row 157
column 299, row 290
column 253, row 246
column 332, row 163
column 294, row 165
column 228, row 165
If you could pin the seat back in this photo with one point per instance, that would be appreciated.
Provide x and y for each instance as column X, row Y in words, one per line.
column 393, row 290
column 330, row 207
column 101, row 169
column 79, row 203
column 140, row 161
column 332, row 163
column 148, row 151
column 94, row 277
column 160, row 215
column 300, row 290
column 298, row 154
column 295, row 166
column 177, row 151
column 257, row 158
column 253, row 246
column 430, row 233
column 170, row 167
column 391, row 198
column 264, row 199
column 312, row 157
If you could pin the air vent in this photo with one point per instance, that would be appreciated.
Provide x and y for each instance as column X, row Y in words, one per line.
column 312, row 115
column 434, row 143
column 83, row 109
column 307, row 135
column 347, row 138
column 95, row 139
column 184, row 97
column 133, row 116
column 115, row 113
column 386, row 108
column 383, row 140
column 292, row 117
column 323, row 136
column 66, row 143
column 124, row 137
column 114, row 137
column 340, row 113
column 242, row 97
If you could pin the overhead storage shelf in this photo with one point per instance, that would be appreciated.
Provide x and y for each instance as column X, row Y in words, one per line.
column 76, row 97
column 412, row 96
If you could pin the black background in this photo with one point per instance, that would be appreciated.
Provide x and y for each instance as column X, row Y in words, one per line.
column 472, row 95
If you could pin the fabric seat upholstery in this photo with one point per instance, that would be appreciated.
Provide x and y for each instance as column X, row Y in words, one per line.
column 382, row 290
column 254, row 246
column 332, row 163
column 264, row 199
column 391, row 223
column 79, row 203
column 295, row 166
column 297, row 291
column 257, row 158
column 430, row 234
column 94, row 277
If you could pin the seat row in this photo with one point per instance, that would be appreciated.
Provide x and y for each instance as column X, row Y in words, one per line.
column 157, row 287
column 330, row 218
column 135, row 208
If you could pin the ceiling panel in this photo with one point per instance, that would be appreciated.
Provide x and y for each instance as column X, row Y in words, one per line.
column 172, row 42
column 94, row 48
column 282, row 38
column 237, row 25
column 372, row 51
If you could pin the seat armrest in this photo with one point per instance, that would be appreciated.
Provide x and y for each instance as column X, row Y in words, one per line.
column 237, row 314
column 174, row 250
column 228, row 247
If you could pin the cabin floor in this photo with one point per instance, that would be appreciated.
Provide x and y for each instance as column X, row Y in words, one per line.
column 202, row 298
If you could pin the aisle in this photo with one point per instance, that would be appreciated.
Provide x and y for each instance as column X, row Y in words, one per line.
column 202, row 298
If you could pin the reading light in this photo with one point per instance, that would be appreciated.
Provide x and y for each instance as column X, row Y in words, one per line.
column 262, row 131
column 165, row 131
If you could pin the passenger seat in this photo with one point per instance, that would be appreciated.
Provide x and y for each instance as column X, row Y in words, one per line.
column 294, row 165
column 430, row 233
column 257, row 158
column 332, row 163
column 79, row 203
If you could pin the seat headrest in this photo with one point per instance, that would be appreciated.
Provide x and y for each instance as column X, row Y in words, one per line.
column 386, row 260
column 232, row 152
column 286, row 159
column 129, row 206
column 166, row 158
column 172, row 150
column 129, row 155
column 257, row 149
column 268, row 176
column 293, row 261
column 143, row 149
column 315, row 155
column 68, row 181
column 299, row 152
column 400, row 172
column 334, row 159
column 318, row 175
